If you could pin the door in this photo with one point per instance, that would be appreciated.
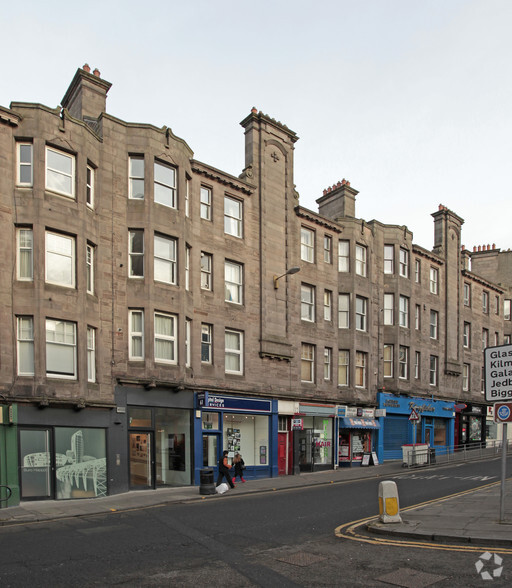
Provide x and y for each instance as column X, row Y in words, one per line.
column 142, row 462
column 37, row 465
column 282, row 454
column 211, row 448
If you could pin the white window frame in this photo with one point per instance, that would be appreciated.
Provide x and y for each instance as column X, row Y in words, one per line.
column 188, row 334
column 485, row 339
column 404, row 262
column 164, row 187
column 233, row 289
column 89, row 186
column 135, row 255
column 66, row 341
column 403, row 362
column 485, row 302
column 361, row 264
column 25, row 345
column 135, row 335
column 434, row 324
column 25, row 164
column 434, row 280
column 56, row 255
column 467, row 335
column 188, row 250
column 388, row 357
column 403, row 311
column 417, row 271
column 361, row 313
column 361, row 366
column 206, row 271
column 307, row 245
column 506, row 309
column 169, row 339
column 417, row 317
column 233, row 217
column 206, row 203
column 433, row 370
column 206, row 343
column 343, row 311
column 25, row 249
column 389, row 309
column 89, row 265
column 327, row 363
column 187, row 197
column 234, row 352
column 307, row 303
column 135, row 179
column 389, row 259
column 165, row 263
column 54, row 172
column 343, row 256
column 417, row 365
column 327, row 305
column 465, row 377
column 91, row 354
column 307, row 363
column 343, row 367
column 496, row 304
column 467, row 294
column 327, row 249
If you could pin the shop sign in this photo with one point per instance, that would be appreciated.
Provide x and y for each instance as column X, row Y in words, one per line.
column 380, row 412
column 342, row 411
column 210, row 400
column 351, row 411
column 368, row 413
column 297, row 424
column 404, row 405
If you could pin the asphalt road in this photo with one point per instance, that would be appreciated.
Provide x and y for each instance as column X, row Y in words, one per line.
column 282, row 538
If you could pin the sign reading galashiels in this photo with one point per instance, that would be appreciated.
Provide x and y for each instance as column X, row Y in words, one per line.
column 498, row 373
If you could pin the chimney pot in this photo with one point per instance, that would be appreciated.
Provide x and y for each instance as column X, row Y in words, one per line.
column 474, row 248
column 86, row 68
column 479, row 248
column 96, row 72
column 254, row 110
column 494, row 245
column 463, row 248
column 348, row 183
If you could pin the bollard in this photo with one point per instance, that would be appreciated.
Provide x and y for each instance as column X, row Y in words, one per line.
column 389, row 509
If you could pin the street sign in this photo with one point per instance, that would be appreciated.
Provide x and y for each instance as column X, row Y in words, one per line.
column 414, row 416
column 498, row 373
column 503, row 412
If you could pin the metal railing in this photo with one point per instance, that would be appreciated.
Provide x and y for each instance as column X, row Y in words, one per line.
column 423, row 456
column 5, row 493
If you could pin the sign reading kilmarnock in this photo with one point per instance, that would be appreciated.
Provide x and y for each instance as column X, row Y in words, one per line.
column 498, row 373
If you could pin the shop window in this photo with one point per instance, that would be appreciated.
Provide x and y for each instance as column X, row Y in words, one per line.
column 139, row 417
column 210, row 421
column 173, row 452
column 247, row 435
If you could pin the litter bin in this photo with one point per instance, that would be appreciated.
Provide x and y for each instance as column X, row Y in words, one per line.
column 431, row 455
column 206, row 483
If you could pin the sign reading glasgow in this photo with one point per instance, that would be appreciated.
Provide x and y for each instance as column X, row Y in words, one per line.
column 498, row 373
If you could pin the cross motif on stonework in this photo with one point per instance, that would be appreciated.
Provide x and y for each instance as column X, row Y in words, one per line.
column 275, row 156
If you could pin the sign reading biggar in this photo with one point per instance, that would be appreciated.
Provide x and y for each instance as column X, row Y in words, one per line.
column 498, row 373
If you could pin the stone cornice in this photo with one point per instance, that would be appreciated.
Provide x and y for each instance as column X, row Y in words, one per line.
column 483, row 281
column 222, row 178
column 7, row 116
column 428, row 254
column 318, row 220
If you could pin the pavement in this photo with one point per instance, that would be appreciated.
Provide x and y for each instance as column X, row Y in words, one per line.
column 472, row 516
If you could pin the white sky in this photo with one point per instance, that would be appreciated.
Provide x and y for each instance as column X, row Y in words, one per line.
column 410, row 100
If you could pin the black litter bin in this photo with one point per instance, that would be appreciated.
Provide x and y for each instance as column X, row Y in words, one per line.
column 206, row 483
column 431, row 455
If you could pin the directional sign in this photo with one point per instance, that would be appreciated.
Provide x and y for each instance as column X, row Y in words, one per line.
column 498, row 373
column 503, row 412
column 414, row 416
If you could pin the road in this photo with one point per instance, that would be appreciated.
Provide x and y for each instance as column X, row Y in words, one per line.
column 280, row 539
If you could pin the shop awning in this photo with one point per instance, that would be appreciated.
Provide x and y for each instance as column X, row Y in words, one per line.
column 358, row 423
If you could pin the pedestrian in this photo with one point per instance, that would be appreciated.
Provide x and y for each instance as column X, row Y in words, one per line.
column 224, row 468
column 239, row 467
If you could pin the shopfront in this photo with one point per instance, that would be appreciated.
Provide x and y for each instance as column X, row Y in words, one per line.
column 435, row 427
column 470, row 426
column 238, row 425
column 356, row 434
column 314, row 439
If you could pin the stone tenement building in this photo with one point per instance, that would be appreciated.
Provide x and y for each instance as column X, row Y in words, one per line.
column 156, row 310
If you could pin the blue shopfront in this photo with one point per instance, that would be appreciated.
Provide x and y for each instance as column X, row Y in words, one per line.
column 238, row 425
column 434, row 428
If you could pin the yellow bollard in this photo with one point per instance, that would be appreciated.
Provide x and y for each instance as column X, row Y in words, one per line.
column 389, row 509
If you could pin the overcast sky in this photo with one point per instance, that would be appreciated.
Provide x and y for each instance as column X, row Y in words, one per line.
column 410, row 100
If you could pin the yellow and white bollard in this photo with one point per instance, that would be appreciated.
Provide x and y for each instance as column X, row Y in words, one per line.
column 389, row 509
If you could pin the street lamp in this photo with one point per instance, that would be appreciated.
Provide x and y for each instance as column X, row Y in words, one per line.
column 292, row 270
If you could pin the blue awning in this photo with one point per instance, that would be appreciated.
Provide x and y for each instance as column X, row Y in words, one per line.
column 358, row 423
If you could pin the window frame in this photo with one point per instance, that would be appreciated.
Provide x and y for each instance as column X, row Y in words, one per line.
column 134, row 335
column 71, row 257
column 238, row 286
column 343, row 311
column 207, row 343
column 234, row 352
column 307, row 244
column 205, row 204
column 433, row 370
column 389, row 260
column 21, row 164
column 466, row 335
column 361, row 313
column 206, row 272
column 170, row 262
column 361, row 260
column 434, row 324
column 417, row 365
column 507, row 304
column 90, row 176
column 162, row 186
column 91, row 354
column 387, row 360
column 344, row 367
column 343, row 256
column 417, row 270
column 307, row 361
column 25, row 345
column 28, row 250
column 403, row 263
column 171, row 339
column 403, row 362
column 328, row 305
column 90, row 251
column 389, row 309
column 403, row 311
column 434, row 280
column 485, row 302
column 466, row 375
column 188, row 251
column 136, row 255
column 327, row 249
column 134, row 179
column 71, row 176
column 361, row 366
column 233, row 221
column 417, row 317
column 188, row 347
column 70, row 374
column 327, row 364
column 307, row 302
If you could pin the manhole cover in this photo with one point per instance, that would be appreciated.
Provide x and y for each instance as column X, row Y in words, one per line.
column 301, row 558
column 410, row 578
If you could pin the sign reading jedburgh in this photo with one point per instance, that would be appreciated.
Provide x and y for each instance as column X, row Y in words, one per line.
column 498, row 373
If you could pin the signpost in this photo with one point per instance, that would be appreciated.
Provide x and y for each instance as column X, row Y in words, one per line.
column 498, row 387
column 414, row 417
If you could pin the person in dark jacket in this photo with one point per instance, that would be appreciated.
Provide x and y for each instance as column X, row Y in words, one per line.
column 239, row 464
column 224, row 468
